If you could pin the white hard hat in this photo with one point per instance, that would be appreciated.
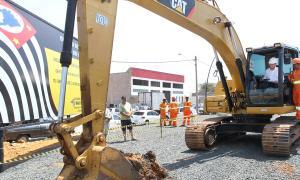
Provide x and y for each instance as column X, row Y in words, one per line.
column 273, row 60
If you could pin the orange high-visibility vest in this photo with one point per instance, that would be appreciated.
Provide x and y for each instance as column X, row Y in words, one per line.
column 163, row 109
column 294, row 78
column 173, row 109
column 187, row 108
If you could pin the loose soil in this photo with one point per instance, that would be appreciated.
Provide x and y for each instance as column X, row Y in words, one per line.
column 147, row 166
column 15, row 150
column 285, row 168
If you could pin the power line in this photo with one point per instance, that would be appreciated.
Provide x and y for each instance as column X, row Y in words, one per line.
column 149, row 62
column 158, row 62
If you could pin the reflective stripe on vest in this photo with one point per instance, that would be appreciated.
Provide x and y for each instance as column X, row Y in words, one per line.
column 296, row 82
column 298, row 108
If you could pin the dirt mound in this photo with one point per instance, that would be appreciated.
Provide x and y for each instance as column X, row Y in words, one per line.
column 147, row 166
column 15, row 150
column 285, row 168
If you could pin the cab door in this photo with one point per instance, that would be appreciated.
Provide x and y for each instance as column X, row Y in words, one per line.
column 260, row 90
column 263, row 80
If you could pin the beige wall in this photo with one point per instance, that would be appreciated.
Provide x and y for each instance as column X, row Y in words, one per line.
column 119, row 85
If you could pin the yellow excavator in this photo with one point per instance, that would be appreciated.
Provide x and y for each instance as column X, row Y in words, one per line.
column 250, row 106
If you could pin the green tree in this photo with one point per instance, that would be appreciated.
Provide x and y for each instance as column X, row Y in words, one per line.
column 210, row 88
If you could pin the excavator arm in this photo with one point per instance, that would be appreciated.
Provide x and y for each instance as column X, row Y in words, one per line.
column 90, row 158
column 206, row 21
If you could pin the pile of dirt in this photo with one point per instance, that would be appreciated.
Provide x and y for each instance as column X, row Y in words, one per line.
column 285, row 168
column 14, row 150
column 147, row 165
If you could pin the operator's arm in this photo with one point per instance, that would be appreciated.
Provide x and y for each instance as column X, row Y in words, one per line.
column 266, row 76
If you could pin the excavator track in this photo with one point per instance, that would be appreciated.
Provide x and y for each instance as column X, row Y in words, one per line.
column 280, row 136
column 202, row 136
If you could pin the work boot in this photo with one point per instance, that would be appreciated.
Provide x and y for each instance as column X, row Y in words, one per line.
column 132, row 138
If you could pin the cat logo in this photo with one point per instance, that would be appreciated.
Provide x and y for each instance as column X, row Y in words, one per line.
column 179, row 5
column 184, row 7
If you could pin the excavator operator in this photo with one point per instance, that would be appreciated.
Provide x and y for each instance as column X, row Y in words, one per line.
column 271, row 74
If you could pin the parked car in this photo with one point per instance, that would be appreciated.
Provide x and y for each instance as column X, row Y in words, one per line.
column 194, row 113
column 22, row 133
column 144, row 107
column 115, row 121
column 114, row 111
column 145, row 116
column 201, row 110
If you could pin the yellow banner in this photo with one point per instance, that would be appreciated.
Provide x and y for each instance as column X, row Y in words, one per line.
column 72, row 100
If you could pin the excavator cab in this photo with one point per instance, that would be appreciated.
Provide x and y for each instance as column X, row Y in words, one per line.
column 263, row 90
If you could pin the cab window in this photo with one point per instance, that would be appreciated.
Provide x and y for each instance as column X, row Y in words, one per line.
column 263, row 78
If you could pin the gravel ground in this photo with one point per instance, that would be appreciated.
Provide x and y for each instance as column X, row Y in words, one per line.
column 239, row 158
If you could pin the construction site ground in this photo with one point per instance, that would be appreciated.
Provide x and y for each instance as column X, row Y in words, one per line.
column 238, row 158
column 15, row 150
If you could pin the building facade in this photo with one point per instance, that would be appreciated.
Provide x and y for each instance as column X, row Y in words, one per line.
column 136, row 80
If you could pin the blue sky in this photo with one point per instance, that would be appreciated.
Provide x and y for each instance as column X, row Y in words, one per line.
column 139, row 35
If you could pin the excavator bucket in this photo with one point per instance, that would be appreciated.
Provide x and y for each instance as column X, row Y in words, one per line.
column 114, row 161
column 113, row 165
column 117, row 165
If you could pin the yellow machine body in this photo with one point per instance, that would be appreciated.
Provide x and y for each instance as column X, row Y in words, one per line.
column 90, row 158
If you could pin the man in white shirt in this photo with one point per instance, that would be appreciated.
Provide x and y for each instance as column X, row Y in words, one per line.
column 125, row 116
column 272, row 72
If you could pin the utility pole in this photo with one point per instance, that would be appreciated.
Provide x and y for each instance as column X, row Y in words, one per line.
column 196, row 74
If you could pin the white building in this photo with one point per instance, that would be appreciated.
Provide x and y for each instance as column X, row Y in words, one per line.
column 137, row 80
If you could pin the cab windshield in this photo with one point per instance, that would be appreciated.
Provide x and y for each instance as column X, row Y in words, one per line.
column 263, row 77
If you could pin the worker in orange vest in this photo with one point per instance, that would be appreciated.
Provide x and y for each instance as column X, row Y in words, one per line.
column 187, row 111
column 163, row 112
column 173, row 109
column 294, row 78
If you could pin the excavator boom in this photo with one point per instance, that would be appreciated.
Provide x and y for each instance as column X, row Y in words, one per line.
column 96, row 23
column 206, row 21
